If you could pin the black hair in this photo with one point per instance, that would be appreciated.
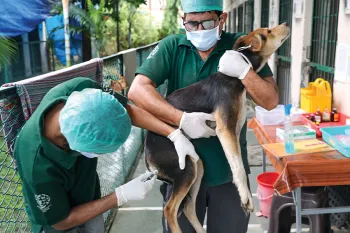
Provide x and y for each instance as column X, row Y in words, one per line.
column 218, row 13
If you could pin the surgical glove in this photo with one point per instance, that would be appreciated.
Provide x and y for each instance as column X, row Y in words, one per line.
column 183, row 147
column 234, row 64
column 194, row 125
column 136, row 189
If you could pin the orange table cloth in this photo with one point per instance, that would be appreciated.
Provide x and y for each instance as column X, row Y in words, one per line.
column 329, row 168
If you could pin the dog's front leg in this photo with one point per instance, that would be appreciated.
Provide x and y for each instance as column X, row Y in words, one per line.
column 229, row 140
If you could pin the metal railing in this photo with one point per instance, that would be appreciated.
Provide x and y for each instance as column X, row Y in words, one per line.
column 284, row 55
column 112, row 170
column 265, row 11
column 249, row 16
column 324, row 40
column 37, row 57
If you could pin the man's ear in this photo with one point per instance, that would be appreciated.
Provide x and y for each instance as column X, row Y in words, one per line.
column 257, row 43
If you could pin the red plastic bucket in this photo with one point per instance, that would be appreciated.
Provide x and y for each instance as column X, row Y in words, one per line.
column 265, row 191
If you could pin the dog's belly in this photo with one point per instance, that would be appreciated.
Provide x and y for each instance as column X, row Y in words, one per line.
column 203, row 96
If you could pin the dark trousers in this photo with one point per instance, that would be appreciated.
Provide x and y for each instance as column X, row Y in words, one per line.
column 222, row 204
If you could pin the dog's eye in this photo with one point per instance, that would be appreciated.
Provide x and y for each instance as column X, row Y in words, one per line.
column 263, row 37
column 268, row 31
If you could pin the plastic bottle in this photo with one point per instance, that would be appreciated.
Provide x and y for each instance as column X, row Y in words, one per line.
column 326, row 115
column 318, row 116
column 334, row 115
column 288, row 131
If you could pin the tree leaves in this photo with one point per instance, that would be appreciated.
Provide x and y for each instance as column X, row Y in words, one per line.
column 8, row 50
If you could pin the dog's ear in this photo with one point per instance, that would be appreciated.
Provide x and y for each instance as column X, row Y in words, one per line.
column 257, row 43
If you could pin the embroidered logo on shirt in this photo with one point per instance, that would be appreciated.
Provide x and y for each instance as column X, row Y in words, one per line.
column 43, row 201
column 154, row 51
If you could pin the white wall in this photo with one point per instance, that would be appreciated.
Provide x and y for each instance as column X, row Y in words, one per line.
column 341, row 93
column 257, row 14
column 301, row 40
column 273, row 21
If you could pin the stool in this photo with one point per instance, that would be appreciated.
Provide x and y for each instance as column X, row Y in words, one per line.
column 283, row 216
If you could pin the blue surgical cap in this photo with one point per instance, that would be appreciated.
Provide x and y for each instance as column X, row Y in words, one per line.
column 94, row 121
column 189, row 6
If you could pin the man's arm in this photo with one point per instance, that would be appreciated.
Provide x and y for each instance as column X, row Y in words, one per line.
column 144, row 94
column 263, row 91
column 136, row 189
column 83, row 213
column 143, row 119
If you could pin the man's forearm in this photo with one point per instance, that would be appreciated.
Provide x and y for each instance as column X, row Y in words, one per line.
column 264, row 92
column 145, row 96
column 143, row 119
column 85, row 212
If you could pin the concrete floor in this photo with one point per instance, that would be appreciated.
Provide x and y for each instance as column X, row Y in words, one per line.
column 145, row 216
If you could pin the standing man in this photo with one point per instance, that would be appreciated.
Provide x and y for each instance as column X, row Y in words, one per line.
column 184, row 60
column 56, row 152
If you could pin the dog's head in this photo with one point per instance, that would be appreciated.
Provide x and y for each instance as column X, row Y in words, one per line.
column 262, row 43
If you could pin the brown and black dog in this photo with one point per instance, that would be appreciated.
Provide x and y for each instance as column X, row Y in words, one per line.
column 225, row 97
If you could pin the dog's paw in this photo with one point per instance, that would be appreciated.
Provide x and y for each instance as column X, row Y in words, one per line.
column 247, row 203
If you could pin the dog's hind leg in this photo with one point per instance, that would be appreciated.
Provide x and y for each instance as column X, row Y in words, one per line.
column 229, row 139
column 190, row 205
column 181, row 187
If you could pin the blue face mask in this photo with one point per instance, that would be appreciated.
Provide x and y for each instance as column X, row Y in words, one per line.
column 203, row 40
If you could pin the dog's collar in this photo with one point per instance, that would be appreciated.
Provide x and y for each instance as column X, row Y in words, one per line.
column 243, row 48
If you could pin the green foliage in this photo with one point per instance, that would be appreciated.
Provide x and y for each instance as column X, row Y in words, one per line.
column 170, row 23
column 143, row 32
column 8, row 50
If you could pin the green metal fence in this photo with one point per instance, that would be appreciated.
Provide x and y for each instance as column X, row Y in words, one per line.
column 324, row 39
column 240, row 15
column 265, row 10
column 112, row 170
column 249, row 16
column 284, row 54
column 234, row 20
column 29, row 63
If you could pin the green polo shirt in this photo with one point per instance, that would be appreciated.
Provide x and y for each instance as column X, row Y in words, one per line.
column 175, row 59
column 53, row 181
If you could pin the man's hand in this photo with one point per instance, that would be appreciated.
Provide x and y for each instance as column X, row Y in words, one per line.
column 194, row 125
column 183, row 147
column 234, row 64
column 136, row 189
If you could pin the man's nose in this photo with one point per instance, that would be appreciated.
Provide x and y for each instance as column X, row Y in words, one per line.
column 200, row 27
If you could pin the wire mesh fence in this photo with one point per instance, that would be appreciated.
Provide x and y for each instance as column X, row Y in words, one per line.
column 112, row 170
column 38, row 57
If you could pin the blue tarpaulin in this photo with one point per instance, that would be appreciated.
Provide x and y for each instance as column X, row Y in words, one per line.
column 21, row 16
column 58, row 38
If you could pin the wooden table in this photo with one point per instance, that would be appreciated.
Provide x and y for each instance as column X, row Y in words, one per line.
column 304, row 170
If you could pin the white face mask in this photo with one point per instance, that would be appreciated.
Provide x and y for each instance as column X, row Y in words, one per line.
column 203, row 40
column 93, row 155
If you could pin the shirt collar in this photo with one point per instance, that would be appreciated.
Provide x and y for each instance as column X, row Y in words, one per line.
column 223, row 43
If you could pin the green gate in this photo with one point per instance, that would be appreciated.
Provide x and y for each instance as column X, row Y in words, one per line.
column 324, row 39
column 284, row 54
column 265, row 10
column 249, row 16
column 240, row 24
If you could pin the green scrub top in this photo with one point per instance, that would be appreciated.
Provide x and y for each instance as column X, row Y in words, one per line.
column 175, row 59
column 53, row 181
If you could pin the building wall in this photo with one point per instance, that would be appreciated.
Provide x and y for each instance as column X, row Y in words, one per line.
column 301, row 40
column 341, row 93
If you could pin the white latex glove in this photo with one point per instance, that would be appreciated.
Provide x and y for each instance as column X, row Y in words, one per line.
column 136, row 189
column 193, row 124
column 183, row 147
column 234, row 64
